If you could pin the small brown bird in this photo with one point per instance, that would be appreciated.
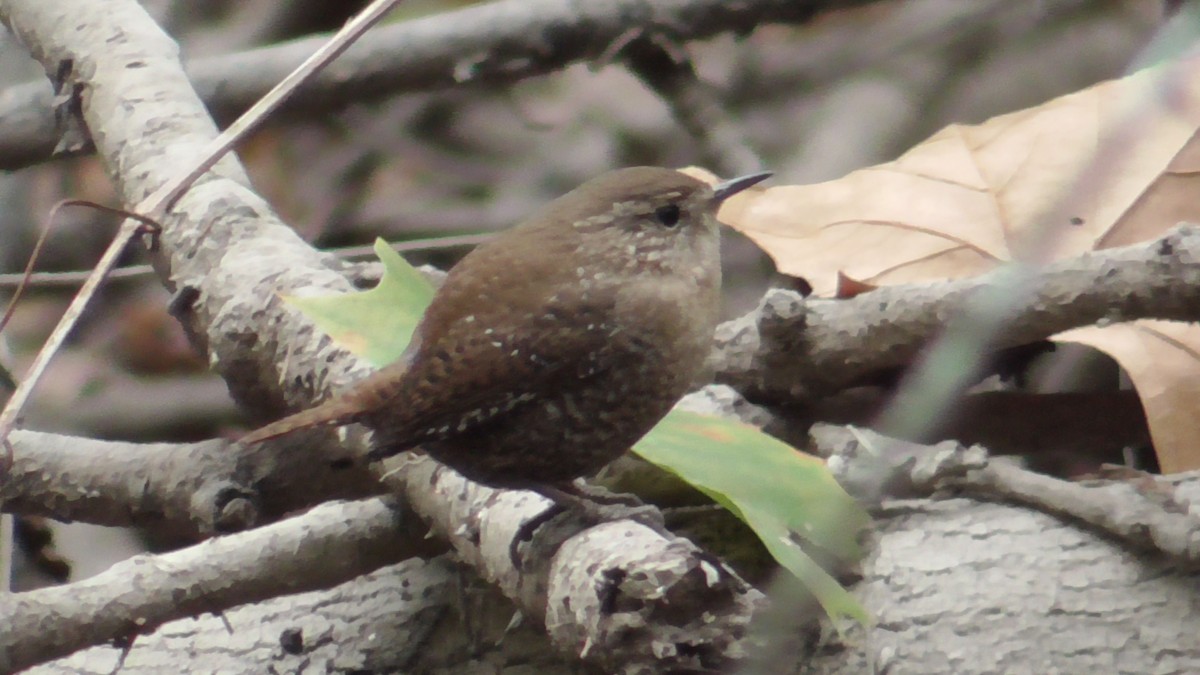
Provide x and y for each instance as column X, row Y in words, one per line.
column 550, row 350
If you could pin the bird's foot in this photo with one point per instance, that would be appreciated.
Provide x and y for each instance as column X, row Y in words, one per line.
column 599, row 505
column 528, row 528
column 593, row 504
column 580, row 490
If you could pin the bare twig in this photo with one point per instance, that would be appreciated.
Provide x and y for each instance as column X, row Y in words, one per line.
column 667, row 68
column 1136, row 508
column 24, row 279
column 77, row 277
column 12, row 408
column 71, row 278
column 1141, row 512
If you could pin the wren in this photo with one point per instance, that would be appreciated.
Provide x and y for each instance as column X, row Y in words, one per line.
column 550, row 350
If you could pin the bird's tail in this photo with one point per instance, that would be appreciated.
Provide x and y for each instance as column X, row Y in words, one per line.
column 331, row 414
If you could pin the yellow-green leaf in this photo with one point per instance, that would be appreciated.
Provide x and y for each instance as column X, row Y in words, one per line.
column 780, row 493
column 376, row 324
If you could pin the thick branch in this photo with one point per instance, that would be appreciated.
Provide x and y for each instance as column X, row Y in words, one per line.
column 960, row 586
column 646, row 605
column 413, row 617
column 493, row 42
column 328, row 545
column 199, row 485
column 796, row 348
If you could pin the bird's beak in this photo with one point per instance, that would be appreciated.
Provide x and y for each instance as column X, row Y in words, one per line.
column 729, row 188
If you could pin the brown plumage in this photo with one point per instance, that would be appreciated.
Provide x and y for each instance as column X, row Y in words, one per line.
column 550, row 350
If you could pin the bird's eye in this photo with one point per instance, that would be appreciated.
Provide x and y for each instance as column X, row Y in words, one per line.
column 667, row 215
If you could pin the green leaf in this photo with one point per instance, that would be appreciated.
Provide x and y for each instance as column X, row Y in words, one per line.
column 779, row 492
column 376, row 324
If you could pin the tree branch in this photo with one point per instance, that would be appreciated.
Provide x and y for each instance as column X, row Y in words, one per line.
column 793, row 348
column 201, row 487
column 326, row 546
column 417, row 616
column 1142, row 511
column 494, row 42
column 668, row 70
column 962, row 586
column 648, row 605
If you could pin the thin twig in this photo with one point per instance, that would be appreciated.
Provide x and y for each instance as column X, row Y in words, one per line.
column 8, row 417
column 258, row 112
column 426, row 244
column 76, row 277
column 8, row 544
column 24, row 277
column 667, row 68
column 72, row 278
column 1139, row 510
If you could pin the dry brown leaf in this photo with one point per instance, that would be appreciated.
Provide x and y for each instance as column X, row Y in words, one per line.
column 1161, row 359
column 848, row 287
column 1107, row 166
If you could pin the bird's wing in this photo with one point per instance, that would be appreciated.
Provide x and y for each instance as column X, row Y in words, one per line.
column 468, row 374
column 494, row 337
column 476, row 370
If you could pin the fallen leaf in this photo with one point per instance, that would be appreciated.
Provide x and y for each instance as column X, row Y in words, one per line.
column 848, row 287
column 1161, row 359
column 1108, row 166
